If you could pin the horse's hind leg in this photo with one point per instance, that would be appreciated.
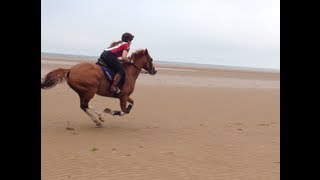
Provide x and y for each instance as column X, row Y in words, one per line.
column 84, row 105
column 98, row 113
column 94, row 119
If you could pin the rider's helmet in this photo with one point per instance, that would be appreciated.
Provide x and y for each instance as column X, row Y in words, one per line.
column 126, row 37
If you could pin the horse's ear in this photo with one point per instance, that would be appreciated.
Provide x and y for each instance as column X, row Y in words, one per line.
column 146, row 51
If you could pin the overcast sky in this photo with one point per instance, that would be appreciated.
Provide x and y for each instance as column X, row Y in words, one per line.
column 219, row 32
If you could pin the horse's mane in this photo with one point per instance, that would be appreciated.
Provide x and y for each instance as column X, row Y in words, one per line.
column 135, row 55
column 138, row 53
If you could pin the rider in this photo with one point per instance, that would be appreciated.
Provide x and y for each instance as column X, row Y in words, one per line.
column 110, row 57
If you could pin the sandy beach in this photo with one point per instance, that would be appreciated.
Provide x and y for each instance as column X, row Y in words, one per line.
column 187, row 123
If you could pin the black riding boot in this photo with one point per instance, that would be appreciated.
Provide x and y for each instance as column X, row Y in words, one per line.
column 114, row 86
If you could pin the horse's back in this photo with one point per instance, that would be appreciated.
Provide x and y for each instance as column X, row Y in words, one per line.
column 84, row 66
column 85, row 75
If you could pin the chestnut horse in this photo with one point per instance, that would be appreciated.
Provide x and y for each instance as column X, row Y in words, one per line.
column 88, row 79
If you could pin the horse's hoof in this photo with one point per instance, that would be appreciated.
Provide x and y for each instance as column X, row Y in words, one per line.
column 107, row 110
column 118, row 113
column 129, row 107
column 98, row 126
column 101, row 119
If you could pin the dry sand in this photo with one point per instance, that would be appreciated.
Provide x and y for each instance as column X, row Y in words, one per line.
column 187, row 123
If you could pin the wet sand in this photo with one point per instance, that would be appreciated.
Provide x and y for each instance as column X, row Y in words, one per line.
column 186, row 123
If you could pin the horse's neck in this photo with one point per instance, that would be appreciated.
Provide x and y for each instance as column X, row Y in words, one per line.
column 132, row 71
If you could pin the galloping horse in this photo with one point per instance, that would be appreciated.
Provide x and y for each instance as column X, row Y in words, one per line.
column 88, row 79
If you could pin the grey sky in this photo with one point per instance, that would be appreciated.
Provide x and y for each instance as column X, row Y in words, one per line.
column 219, row 32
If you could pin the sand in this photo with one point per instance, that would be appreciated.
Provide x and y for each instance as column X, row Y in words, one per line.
column 187, row 123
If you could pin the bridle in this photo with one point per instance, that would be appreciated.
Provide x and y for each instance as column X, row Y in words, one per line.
column 149, row 71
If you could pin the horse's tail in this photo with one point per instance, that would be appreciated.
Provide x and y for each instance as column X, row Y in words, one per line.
column 54, row 77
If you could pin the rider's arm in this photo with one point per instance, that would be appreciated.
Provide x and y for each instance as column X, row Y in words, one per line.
column 125, row 56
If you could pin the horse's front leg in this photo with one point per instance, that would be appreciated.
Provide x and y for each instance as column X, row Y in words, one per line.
column 123, row 106
column 130, row 104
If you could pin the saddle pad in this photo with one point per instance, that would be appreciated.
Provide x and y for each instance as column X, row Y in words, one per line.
column 109, row 73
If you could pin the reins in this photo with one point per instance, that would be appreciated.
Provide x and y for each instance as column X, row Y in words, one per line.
column 136, row 67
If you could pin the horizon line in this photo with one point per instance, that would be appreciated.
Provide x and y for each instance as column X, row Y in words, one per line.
column 171, row 62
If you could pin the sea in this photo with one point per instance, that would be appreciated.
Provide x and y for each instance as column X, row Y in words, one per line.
column 46, row 55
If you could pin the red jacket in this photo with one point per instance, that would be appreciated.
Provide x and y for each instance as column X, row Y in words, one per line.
column 118, row 49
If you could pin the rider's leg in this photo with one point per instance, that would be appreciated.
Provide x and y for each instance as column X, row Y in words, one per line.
column 114, row 86
column 111, row 61
column 118, row 80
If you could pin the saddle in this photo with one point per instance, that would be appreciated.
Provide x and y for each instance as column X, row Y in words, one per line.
column 108, row 72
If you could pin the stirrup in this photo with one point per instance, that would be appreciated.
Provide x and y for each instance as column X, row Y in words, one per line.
column 117, row 90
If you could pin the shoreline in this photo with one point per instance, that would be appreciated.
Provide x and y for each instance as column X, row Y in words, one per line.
column 174, row 64
column 190, row 76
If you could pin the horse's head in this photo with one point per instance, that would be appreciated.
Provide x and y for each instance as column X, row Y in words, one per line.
column 143, row 58
column 148, row 66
